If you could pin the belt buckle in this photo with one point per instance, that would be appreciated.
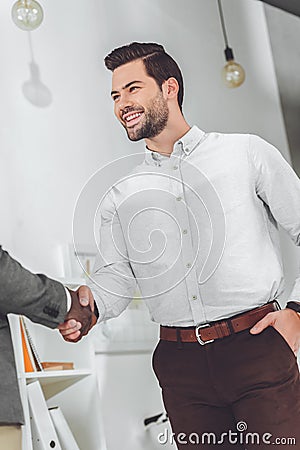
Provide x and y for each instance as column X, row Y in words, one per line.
column 198, row 335
column 278, row 307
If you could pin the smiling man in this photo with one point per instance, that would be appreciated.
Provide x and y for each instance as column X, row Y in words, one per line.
column 227, row 354
column 142, row 98
column 139, row 121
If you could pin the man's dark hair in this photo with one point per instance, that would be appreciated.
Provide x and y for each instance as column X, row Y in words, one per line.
column 158, row 64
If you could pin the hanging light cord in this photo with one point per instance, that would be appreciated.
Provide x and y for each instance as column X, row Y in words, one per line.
column 222, row 22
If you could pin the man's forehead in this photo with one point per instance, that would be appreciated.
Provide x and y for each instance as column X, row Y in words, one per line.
column 134, row 70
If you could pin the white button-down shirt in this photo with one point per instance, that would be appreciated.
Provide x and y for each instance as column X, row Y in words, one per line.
column 197, row 231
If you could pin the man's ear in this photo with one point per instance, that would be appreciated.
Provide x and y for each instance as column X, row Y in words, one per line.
column 170, row 88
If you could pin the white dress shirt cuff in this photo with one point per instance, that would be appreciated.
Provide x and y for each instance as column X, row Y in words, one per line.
column 69, row 301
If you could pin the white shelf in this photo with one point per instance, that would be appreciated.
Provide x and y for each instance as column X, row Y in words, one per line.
column 53, row 382
column 71, row 390
column 50, row 374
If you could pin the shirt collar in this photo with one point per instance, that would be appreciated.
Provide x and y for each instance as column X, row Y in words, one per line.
column 191, row 139
column 187, row 143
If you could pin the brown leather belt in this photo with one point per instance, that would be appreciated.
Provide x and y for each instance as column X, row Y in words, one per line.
column 220, row 329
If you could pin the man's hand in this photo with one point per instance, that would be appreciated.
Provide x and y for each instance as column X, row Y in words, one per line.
column 286, row 322
column 81, row 317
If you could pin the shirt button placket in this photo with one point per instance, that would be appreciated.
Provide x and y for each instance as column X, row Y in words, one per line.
column 188, row 258
column 187, row 246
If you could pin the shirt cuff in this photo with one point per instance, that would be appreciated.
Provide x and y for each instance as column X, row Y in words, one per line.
column 69, row 301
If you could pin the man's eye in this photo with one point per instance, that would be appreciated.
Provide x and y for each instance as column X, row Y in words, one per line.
column 133, row 88
column 115, row 98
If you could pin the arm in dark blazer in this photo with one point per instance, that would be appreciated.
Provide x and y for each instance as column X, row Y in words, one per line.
column 40, row 299
column 36, row 296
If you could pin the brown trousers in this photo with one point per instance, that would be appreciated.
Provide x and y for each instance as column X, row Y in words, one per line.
column 240, row 392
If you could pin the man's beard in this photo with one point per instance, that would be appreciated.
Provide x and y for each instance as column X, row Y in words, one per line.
column 153, row 122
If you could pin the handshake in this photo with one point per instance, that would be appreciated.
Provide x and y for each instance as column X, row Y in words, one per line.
column 81, row 317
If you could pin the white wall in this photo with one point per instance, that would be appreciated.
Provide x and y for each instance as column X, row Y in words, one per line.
column 48, row 153
column 284, row 32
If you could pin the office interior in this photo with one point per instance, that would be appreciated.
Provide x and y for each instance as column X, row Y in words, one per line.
column 58, row 128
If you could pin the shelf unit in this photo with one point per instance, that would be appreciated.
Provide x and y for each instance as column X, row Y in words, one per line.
column 74, row 391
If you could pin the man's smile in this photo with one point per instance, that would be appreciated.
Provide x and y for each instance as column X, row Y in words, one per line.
column 132, row 118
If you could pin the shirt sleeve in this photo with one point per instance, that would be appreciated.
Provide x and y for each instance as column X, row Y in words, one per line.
column 112, row 282
column 279, row 187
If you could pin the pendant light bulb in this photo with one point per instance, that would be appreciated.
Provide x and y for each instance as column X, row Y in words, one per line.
column 27, row 14
column 233, row 73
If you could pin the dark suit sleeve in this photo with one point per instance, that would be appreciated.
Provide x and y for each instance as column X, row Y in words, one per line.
column 35, row 296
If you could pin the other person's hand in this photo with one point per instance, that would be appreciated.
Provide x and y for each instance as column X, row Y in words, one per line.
column 81, row 316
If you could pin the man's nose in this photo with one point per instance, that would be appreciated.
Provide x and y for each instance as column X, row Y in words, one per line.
column 125, row 102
